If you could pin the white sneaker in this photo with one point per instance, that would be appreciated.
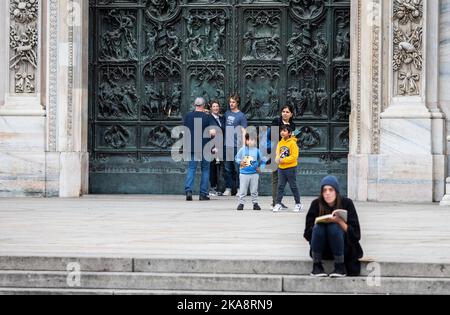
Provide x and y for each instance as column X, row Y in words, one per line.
column 213, row 193
column 277, row 208
column 227, row 192
column 299, row 208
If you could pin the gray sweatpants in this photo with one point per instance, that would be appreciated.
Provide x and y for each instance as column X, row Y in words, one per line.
column 248, row 181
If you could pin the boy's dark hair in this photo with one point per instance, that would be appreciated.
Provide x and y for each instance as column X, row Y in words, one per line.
column 288, row 128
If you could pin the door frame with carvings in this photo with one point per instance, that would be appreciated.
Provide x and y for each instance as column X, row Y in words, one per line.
column 81, row 131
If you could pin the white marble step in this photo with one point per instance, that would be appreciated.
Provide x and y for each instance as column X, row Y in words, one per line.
column 213, row 266
column 224, row 283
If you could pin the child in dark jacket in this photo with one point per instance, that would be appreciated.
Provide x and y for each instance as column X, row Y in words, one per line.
column 335, row 239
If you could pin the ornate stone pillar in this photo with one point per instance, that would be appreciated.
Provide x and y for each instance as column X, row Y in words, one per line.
column 444, row 67
column 45, row 151
column 22, row 117
column 397, row 125
column 67, row 97
column 367, row 97
column 22, row 93
column 410, row 162
column 446, row 199
column 3, row 51
column 433, row 100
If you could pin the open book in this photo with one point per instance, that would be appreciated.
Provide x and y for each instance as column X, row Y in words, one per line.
column 324, row 219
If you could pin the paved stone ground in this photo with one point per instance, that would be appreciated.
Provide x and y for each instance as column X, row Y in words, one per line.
column 168, row 226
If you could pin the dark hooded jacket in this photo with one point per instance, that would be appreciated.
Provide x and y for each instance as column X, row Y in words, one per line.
column 353, row 249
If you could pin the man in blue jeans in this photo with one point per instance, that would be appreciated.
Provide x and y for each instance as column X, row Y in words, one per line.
column 236, row 125
column 197, row 122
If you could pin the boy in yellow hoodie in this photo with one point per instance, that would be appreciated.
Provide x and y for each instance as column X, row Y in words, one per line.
column 287, row 160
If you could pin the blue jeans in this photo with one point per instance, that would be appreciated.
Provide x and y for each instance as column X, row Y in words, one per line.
column 190, row 178
column 231, row 170
column 288, row 176
column 331, row 234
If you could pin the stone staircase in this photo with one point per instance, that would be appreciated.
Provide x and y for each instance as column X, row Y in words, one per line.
column 166, row 276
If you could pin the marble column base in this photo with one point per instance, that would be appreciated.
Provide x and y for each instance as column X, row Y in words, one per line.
column 29, row 174
column 27, row 170
column 22, row 156
column 439, row 174
column 405, row 167
column 446, row 200
column 22, row 174
column 358, row 177
column 43, row 174
column 391, row 178
column 74, row 174
column 404, row 178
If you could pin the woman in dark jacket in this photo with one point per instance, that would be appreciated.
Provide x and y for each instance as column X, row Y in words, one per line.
column 286, row 118
column 336, row 239
column 217, row 166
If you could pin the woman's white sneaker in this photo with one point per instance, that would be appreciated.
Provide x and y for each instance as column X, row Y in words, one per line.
column 277, row 208
column 299, row 208
column 227, row 193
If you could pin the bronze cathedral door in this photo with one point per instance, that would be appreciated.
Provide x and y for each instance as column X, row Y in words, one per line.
column 150, row 58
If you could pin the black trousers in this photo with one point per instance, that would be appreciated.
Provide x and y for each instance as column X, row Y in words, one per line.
column 217, row 176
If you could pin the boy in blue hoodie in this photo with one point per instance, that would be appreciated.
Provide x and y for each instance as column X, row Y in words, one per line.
column 251, row 163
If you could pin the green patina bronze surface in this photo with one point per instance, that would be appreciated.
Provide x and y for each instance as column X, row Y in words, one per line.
column 149, row 59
